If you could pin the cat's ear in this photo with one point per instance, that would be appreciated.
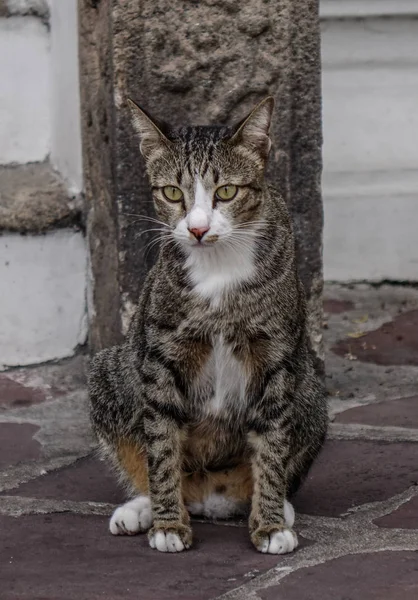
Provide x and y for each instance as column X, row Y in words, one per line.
column 253, row 131
column 148, row 130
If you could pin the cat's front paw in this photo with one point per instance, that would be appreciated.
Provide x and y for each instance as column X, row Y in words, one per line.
column 170, row 537
column 274, row 539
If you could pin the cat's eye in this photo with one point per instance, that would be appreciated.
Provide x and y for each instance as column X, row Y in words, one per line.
column 226, row 192
column 172, row 193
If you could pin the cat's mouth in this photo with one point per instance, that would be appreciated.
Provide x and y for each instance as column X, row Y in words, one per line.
column 209, row 240
column 206, row 242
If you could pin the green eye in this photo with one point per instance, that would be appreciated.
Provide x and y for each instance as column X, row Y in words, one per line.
column 172, row 193
column 226, row 192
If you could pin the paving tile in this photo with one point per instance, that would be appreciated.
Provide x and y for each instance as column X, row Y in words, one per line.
column 88, row 479
column 15, row 395
column 73, row 557
column 401, row 412
column 379, row 576
column 346, row 474
column 17, row 443
column 405, row 517
column 336, row 307
column 394, row 343
column 25, row 386
column 349, row 473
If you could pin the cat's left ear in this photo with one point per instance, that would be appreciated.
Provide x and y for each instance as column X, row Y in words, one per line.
column 148, row 129
column 253, row 131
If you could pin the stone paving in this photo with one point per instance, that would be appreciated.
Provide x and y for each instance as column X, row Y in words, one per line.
column 357, row 512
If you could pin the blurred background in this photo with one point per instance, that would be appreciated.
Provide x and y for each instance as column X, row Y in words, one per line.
column 370, row 154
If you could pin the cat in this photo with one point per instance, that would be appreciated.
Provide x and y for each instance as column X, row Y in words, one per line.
column 213, row 405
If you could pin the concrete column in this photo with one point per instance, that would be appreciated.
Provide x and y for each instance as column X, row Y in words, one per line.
column 192, row 62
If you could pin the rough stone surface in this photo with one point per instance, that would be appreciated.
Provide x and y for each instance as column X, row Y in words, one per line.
column 34, row 199
column 349, row 473
column 394, row 343
column 17, row 443
column 192, row 74
column 400, row 412
column 380, row 576
column 405, row 517
column 48, row 401
column 349, row 379
column 14, row 394
column 87, row 480
column 85, row 562
column 22, row 386
column 337, row 307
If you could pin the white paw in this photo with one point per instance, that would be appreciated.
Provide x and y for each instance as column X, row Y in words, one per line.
column 217, row 506
column 289, row 514
column 166, row 542
column 132, row 517
column 195, row 508
column 280, row 542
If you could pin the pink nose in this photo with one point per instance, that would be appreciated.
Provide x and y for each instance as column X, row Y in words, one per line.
column 199, row 232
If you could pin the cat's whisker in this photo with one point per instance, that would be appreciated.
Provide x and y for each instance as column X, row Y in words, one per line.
column 259, row 223
column 158, row 240
column 141, row 233
column 147, row 218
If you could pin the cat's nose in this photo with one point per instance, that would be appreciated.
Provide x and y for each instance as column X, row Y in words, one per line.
column 198, row 232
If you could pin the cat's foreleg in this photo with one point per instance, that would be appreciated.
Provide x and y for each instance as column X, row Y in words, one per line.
column 270, row 525
column 171, row 530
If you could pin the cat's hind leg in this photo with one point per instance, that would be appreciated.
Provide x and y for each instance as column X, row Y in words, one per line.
column 135, row 516
column 132, row 517
column 114, row 418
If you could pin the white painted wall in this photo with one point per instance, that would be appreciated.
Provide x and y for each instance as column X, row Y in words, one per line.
column 367, row 8
column 39, row 92
column 25, row 90
column 65, row 99
column 22, row 7
column 370, row 119
column 43, row 278
column 42, row 298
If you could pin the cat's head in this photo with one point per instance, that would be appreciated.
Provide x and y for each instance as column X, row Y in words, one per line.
column 207, row 181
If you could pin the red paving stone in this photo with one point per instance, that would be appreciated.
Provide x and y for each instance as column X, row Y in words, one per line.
column 73, row 557
column 336, row 307
column 346, row 474
column 394, row 343
column 402, row 412
column 405, row 517
column 88, row 479
column 16, row 395
column 349, row 473
column 379, row 576
column 17, row 443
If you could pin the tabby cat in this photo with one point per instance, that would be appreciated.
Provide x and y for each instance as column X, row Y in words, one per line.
column 213, row 405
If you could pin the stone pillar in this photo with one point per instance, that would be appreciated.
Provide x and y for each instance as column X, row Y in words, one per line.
column 189, row 61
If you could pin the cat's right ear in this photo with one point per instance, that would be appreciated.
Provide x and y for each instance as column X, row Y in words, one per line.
column 253, row 131
column 149, row 132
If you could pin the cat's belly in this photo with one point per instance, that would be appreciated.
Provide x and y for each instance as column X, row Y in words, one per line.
column 216, row 439
column 213, row 445
column 220, row 389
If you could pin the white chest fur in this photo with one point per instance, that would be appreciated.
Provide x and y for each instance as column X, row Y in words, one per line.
column 222, row 385
column 214, row 270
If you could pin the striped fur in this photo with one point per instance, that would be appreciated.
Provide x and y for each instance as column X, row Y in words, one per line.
column 152, row 398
